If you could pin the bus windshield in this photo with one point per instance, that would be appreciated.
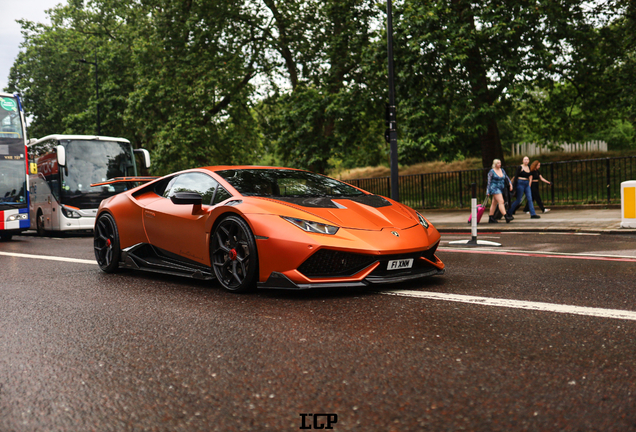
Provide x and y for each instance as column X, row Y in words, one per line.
column 89, row 162
column 10, row 122
column 12, row 182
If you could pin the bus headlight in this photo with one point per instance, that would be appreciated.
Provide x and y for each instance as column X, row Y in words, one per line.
column 17, row 217
column 70, row 213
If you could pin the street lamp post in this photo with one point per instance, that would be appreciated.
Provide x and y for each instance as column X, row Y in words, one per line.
column 391, row 109
column 96, row 87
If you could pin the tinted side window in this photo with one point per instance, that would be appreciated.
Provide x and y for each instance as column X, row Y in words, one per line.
column 221, row 195
column 163, row 187
column 200, row 183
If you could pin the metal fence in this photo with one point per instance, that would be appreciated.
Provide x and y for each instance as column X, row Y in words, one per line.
column 589, row 181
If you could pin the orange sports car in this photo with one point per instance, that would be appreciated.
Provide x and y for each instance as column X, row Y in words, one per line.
column 264, row 227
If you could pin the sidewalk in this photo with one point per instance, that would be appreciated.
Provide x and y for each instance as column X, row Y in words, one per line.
column 557, row 220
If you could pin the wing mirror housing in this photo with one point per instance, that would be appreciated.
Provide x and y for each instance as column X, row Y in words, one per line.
column 185, row 198
column 145, row 155
column 61, row 155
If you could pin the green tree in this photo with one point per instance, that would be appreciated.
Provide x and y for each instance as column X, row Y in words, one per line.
column 175, row 77
column 328, row 111
column 462, row 64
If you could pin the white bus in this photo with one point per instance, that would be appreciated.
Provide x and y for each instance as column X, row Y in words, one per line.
column 62, row 198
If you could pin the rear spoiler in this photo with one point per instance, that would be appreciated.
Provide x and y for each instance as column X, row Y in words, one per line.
column 125, row 179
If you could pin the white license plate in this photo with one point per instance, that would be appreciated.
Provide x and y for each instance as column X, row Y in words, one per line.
column 400, row 264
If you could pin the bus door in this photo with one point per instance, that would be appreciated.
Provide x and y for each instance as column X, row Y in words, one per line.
column 48, row 193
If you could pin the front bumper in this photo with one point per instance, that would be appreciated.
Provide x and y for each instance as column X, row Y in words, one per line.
column 280, row 281
column 374, row 274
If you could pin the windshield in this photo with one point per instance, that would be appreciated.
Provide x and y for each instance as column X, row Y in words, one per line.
column 10, row 123
column 286, row 183
column 12, row 183
column 90, row 162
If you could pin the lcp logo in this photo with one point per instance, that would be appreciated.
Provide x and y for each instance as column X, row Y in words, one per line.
column 318, row 423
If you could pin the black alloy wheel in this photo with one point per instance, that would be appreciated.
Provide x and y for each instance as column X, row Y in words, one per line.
column 233, row 255
column 39, row 222
column 106, row 243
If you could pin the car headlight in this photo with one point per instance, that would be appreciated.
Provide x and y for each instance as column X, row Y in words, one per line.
column 17, row 217
column 423, row 221
column 70, row 213
column 313, row 227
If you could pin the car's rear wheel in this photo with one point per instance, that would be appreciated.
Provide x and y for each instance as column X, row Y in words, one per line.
column 106, row 243
column 234, row 255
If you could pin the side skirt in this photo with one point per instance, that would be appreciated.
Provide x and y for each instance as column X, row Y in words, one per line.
column 144, row 256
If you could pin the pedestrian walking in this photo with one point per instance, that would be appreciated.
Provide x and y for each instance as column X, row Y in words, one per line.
column 534, row 187
column 524, row 179
column 495, row 188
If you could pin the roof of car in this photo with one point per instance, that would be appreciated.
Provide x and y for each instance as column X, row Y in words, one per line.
column 244, row 167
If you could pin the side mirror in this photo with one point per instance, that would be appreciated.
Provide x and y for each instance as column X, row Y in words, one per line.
column 184, row 198
column 61, row 155
column 146, row 156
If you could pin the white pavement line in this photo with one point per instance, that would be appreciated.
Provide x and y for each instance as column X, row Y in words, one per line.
column 50, row 258
column 519, row 304
column 584, row 255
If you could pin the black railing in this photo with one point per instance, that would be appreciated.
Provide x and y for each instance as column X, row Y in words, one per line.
column 589, row 181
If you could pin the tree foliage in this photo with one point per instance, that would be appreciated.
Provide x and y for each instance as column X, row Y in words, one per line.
column 303, row 82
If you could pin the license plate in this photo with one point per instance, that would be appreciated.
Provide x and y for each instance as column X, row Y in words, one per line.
column 400, row 264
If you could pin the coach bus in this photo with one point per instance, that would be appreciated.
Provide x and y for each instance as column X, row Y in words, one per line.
column 14, row 183
column 64, row 191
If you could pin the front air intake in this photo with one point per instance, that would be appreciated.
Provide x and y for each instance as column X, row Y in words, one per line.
column 329, row 263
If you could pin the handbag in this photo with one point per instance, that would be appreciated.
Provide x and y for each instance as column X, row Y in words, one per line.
column 481, row 208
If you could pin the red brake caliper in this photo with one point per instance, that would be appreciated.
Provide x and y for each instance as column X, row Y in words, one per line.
column 232, row 254
column 108, row 242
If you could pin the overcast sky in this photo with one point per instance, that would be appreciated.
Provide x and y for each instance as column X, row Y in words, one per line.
column 10, row 36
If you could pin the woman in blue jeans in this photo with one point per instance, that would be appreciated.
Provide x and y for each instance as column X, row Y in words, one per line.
column 524, row 180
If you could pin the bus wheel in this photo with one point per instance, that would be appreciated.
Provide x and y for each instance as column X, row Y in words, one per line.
column 106, row 243
column 5, row 236
column 39, row 222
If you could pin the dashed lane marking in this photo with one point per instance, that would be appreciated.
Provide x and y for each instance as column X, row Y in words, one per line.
column 519, row 304
column 513, row 252
column 50, row 258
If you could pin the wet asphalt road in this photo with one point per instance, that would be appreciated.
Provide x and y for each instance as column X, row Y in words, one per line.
column 81, row 350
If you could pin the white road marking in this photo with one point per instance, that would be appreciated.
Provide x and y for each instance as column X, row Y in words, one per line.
column 585, row 255
column 50, row 258
column 486, row 301
column 519, row 304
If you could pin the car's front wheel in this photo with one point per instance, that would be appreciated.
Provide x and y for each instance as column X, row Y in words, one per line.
column 233, row 254
column 106, row 243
